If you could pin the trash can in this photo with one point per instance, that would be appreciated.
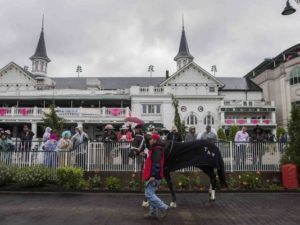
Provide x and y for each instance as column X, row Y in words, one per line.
column 289, row 176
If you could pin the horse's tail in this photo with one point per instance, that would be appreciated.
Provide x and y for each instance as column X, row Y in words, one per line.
column 221, row 172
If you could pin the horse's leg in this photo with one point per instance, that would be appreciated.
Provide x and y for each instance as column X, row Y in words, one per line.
column 170, row 185
column 213, row 182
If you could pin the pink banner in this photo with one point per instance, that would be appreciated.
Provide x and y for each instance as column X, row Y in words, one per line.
column 255, row 121
column 3, row 111
column 115, row 111
column 267, row 121
column 24, row 112
column 241, row 121
column 229, row 121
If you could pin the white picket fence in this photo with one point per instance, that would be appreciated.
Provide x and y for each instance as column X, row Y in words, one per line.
column 93, row 156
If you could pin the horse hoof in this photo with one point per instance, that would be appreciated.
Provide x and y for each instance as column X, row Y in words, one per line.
column 145, row 204
column 212, row 200
column 173, row 205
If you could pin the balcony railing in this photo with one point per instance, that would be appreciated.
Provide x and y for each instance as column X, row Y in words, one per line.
column 249, row 121
column 242, row 103
column 35, row 112
column 151, row 90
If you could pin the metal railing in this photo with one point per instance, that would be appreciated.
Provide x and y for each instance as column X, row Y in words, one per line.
column 93, row 156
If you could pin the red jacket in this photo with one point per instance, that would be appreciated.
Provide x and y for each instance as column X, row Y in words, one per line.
column 154, row 169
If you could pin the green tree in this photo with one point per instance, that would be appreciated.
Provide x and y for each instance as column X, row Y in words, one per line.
column 177, row 121
column 232, row 131
column 292, row 154
column 279, row 131
column 221, row 134
column 52, row 120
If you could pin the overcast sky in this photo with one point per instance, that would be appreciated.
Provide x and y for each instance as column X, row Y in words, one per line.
column 123, row 37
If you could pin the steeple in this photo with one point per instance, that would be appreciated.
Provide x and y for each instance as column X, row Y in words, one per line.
column 40, row 58
column 183, row 56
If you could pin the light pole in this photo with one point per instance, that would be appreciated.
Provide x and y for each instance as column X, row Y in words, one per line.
column 288, row 10
column 214, row 69
column 78, row 70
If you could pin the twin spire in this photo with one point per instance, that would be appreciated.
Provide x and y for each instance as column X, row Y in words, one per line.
column 40, row 51
column 40, row 59
column 183, row 56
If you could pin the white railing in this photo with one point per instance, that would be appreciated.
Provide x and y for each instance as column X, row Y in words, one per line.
column 243, row 103
column 249, row 121
column 25, row 112
column 151, row 90
column 93, row 156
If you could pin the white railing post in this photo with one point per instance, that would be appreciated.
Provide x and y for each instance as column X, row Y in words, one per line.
column 231, row 156
column 88, row 156
column 103, row 111
column 35, row 109
column 127, row 111
column 13, row 111
column 279, row 145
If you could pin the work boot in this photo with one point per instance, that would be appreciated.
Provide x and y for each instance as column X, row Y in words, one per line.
column 163, row 213
column 150, row 216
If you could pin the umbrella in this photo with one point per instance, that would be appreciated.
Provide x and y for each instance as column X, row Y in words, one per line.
column 134, row 120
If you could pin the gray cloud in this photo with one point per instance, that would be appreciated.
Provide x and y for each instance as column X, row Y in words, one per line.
column 123, row 37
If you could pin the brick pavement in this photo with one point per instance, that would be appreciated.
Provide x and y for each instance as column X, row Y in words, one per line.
column 119, row 209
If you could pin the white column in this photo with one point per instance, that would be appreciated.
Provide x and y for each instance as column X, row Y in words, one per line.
column 127, row 111
column 35, row 111
column 34, row 128
column 222, row 117
column 273, row 117
column 79, row 124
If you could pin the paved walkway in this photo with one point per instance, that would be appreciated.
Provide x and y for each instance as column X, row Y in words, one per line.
column 119, row 209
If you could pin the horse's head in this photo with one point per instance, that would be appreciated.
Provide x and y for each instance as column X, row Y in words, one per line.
column 137, row 146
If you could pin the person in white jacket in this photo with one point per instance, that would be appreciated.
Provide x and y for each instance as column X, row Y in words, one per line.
column 80, row 137
column 241, row 140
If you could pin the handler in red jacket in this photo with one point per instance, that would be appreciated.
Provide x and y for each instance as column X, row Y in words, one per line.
column 153, row 173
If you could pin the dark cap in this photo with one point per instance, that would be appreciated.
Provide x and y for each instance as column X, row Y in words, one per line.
column 208, row 126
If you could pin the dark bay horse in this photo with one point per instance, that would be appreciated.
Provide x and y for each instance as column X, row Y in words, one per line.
column 200, row 154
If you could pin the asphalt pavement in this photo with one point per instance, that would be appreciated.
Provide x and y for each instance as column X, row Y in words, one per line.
column 119, row 209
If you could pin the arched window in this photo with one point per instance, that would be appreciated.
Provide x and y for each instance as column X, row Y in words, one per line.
column 192, row 120
column 209, row 120
column 295, row 76
column 36, row 65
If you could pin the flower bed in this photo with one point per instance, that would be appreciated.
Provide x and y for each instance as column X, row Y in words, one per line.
column 73, row 179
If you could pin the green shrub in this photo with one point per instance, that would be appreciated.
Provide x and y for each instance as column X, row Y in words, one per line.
column 164, row 183
column 69, row 177
column 279, row 131
column 221, row 135
column 133, row 183
column 6, row 174
column 94, row 181
column 112, row 183
column 250, row 180
column 232, row 131
column 34, row 176
column 196, row 182
column 183, row 182
column 233, row 182
column 84, row 185
column 292, row 153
